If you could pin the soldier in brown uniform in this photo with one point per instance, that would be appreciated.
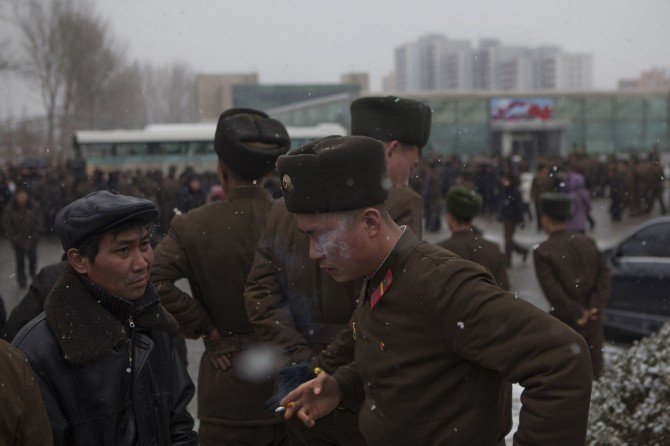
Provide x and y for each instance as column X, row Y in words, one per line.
column 213, row 247
column 542, row 182
column 463, row 205
column 434, row 335
column 295, row 305
column 403, row 126
column 573, row 274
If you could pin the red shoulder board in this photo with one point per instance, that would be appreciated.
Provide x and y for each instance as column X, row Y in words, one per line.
column 384, row 285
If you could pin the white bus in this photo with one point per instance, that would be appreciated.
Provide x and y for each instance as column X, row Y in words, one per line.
column 159, row 146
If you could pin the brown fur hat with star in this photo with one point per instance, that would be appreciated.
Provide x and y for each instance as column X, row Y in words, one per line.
column 334, row 174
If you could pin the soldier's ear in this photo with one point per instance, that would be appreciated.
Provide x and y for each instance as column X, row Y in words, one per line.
column 391, row 148
column 373, row 221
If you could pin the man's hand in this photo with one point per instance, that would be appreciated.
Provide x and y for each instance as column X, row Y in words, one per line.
column 586, row 316
column 313, row 399
column 218, row 360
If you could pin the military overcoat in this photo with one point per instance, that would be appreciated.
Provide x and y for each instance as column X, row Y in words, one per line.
column 432, row 356
column 213, row 247
column 574, row 277
column 292, row 303
column 470, row 245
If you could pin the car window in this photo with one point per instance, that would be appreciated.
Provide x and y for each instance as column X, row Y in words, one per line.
column 651, row 241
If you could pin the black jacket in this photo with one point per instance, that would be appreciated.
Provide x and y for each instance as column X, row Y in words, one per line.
column 94, row 393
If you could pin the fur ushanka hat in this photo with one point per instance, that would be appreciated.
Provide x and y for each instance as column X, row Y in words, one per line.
column 334, row 174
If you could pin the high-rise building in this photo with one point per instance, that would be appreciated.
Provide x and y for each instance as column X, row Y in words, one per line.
column 434, row 62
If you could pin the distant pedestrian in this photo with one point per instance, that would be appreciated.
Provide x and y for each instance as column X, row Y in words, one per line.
column 22, row 221
column 656, row 182
column 191, row 195
column 618, row 173
column 168, row 199
column 575, row 188
column 542, row 182
column 432, row 198
column 511, row 215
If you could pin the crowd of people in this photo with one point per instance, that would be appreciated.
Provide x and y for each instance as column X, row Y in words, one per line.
column 326, row 319
column 633, row 184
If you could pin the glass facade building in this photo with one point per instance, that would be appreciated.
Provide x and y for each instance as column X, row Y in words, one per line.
column 265, row 97
column 469, row 124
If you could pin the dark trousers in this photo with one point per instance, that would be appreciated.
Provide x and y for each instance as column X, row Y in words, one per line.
column 511, row 245
column 21, row 254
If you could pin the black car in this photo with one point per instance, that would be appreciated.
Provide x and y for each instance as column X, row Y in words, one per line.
column 640, row 266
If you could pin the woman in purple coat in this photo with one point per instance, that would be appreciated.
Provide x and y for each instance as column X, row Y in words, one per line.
column 575, row 187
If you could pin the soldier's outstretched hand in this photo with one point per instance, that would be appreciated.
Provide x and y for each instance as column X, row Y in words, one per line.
column 313, row 399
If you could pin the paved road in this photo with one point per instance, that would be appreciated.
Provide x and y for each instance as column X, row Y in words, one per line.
column 522, row 275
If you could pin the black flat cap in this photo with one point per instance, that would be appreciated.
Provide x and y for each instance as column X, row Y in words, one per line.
column 334, row 174
column 97, row 212
column 391, row 118
column 249, row 142
column 556, row 205
column 463, row 203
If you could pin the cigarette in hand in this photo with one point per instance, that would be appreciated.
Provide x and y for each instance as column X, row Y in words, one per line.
column 281, row 409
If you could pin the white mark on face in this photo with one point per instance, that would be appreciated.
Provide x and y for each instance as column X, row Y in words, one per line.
column 333, row 243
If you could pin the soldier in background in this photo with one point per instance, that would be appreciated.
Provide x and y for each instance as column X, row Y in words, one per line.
column 657, row 180
column 573, row 274
column 542, row 182
column 168, row 198
column 463, row 205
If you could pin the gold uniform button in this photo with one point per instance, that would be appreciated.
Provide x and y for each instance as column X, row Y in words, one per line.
column 382, row 347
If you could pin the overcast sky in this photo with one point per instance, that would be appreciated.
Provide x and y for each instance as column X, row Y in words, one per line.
column 318, row 40
column 296, row 41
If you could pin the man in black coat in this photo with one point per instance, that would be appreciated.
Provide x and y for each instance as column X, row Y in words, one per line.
column 102, row 349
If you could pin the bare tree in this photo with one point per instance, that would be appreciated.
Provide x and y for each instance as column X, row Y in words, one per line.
column 43, row 63
column 122, row 103
column 5, row 63
column 81, row 72
column 170, row 93
column 5, row 58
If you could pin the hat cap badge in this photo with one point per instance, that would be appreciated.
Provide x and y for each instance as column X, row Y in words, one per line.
column 287, row 183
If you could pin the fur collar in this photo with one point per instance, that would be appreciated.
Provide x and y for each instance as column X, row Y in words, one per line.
column 84, row 329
